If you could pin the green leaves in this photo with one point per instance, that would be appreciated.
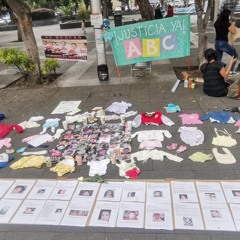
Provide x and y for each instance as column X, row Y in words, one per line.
column 18, row 59
column 49, row 67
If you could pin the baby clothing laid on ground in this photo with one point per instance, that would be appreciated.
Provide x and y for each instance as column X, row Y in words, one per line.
column 154, row 155
column 98, row 167
column 167, row 121
column 125, row 167
column 237, row 124
column 32, row 122
column 200, row 157
column 190, row 119
column 5, row 142
column 52, row 123
column 152, row 135
column 172, row 108
column 63, row 167
column 43, row 152
column 226, row 158
column 29, row 162
column 223, row 140
column 119, row 107
column 220, row 117
column 129, row 114
column 137, row 121
column 4, row 160
column 6, row 129
column 191, row 135
column 149, row 145
column 37, row 140
column 152, row 118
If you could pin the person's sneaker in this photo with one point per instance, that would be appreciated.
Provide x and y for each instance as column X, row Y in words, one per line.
column 233, row 74
column 237, row 68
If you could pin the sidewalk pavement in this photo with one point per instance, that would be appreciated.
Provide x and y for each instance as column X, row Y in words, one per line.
column 146, row 93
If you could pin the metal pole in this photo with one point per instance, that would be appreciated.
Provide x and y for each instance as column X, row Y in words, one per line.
column 100, row 45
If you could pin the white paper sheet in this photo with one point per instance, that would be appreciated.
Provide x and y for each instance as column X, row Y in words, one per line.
column 52, row 212
column 7, row 209
column 188, row 216
column 66, row 106
column 4, row 186
column 104, row 214
column 77, row 214
column 217, row 217
column 110, row 191
column 184, row 192
column 40, row 139
column 20, row 189
column 86, row 192
column 134, row 192
column 158, row 193
column 42, row 189
column 210, row 192
column 28, row 212
column 235, row 209
column 232, row 191
column 63, row 190
column 159, row 216
column 131, row 215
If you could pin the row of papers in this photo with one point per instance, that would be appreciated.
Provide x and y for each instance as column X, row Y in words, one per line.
column 152, row 205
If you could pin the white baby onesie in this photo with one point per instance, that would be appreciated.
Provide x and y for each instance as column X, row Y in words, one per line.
column 98, row 167
column 152, row 135
column 191, row 135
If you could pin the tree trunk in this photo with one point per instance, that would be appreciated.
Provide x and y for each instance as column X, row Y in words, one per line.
column 145, row 9
column 202, row 22
column 20, row 38
column 23, row 13
column 105, row 9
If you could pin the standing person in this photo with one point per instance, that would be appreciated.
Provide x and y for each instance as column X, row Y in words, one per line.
column 223, row 27
column 169, row 11
column 158, row 13
column 214, row 74
column 83, row 26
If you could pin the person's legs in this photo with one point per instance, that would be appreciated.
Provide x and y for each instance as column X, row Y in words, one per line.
column 219, row 52
column 225, row 47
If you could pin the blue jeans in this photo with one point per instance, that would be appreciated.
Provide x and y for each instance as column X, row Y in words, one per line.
column 223, row 46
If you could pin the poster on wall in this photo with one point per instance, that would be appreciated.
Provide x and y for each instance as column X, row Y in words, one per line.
column 65, row 47
column 151, row 40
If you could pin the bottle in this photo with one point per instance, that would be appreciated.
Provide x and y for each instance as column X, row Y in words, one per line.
column 185, row 84
column 193, row 85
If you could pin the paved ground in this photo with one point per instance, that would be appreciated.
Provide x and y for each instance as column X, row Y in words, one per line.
column 146, row 93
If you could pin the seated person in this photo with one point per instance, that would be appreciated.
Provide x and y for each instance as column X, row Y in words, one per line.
column 215, row 74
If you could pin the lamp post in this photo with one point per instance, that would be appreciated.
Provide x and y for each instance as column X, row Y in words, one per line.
column 100, row 45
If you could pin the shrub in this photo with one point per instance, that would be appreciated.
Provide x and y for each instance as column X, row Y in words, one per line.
column 66, row 10
column 49, row 68
column 17, row 58
column 83, row 13
column 42, row 14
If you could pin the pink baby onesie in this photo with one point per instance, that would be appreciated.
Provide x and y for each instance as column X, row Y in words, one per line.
column 190, row 119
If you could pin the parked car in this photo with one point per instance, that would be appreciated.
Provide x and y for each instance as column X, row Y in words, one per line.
column 2, row 22
column 7, row 19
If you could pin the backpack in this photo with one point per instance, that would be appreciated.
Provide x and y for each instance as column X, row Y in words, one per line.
column 234, row 89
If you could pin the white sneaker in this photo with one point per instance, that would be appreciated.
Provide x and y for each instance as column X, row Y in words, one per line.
column 233, row 74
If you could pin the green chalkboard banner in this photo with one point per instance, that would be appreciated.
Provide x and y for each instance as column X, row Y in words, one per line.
column 151, row 40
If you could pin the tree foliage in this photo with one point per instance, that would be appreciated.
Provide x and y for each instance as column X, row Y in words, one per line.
column 18, row 59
